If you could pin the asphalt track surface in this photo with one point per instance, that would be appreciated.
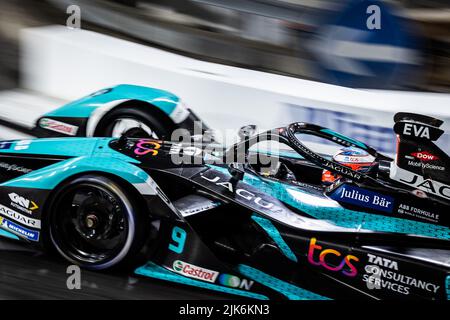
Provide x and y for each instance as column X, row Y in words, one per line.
column 30, row 274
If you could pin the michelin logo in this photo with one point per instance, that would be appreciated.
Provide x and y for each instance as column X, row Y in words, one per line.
column 19, row 230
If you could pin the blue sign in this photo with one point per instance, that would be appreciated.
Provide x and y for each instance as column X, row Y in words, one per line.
column 358, row 127
column 5, row 145
column 17, row 229
column 367, row 45
column 363, row 198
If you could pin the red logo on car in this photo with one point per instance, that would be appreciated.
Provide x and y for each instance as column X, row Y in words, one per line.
column 424, row 156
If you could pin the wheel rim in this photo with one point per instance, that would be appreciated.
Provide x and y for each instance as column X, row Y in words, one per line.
column 91, row 225
column 132, row 128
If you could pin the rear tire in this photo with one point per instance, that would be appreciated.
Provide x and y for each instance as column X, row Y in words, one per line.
column 93, row 223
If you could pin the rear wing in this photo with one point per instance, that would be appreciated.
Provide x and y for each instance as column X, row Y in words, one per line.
column 420, row 163
column 417, row 127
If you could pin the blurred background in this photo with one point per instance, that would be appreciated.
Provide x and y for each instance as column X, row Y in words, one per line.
column 345, row 64
column 308, row 39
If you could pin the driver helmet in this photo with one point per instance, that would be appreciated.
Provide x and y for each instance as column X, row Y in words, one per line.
column 355, row 158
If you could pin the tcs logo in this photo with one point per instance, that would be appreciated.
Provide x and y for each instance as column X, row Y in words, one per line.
column 144, row 146
column 329, row 259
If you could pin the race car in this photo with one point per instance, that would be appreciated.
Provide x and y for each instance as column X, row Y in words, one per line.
column 136, row 111
column 228, row 220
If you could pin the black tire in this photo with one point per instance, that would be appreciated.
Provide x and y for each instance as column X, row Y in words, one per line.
column 159, row 123
column 93, row 222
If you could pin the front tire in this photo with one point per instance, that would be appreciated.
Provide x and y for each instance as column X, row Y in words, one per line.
column 93, row 223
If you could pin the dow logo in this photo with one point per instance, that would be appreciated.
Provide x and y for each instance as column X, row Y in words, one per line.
column 331, row 259
column 424, row 156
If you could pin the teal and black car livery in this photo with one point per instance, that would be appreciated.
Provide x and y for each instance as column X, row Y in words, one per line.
column 233, row 227
column 155, row 112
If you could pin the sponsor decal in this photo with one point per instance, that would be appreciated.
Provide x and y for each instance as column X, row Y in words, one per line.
column 192, row 271
column 419, row 193
column 22, row 145
column 354, row 152
column 337, row 168
column 14, row 215
column 58, row 126
column 416, row 130
column 418, row 182
column 199, row 207
column 383, row 262
column 363, row 197
column 22, row 203
column 424, row 156
column 4, row 145
column 244, row 194
column 331, row 259
column 19, row 230
column 383, row 273
column 412, row 211
column 352, row 159
column 145, row 146
column 275, row 211
column 235, row 282
column 426, row 166
column 14, row 167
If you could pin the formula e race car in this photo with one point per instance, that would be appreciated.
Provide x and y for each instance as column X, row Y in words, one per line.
column 135, row 111
column 229, row 220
